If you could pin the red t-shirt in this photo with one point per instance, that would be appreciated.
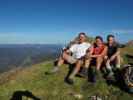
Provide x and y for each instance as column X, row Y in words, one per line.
column 98, row 50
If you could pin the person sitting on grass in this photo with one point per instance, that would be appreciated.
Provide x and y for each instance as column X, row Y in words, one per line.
column 96, row 55
column 78, row 51
column 113, row 54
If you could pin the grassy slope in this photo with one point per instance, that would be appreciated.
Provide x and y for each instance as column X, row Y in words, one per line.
column 53, row 87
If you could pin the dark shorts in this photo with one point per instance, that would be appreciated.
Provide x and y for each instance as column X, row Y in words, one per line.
column 93, row 61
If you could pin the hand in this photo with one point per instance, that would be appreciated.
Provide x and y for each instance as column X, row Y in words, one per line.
column 105, row 57
column 87, row 55
column 94, row 56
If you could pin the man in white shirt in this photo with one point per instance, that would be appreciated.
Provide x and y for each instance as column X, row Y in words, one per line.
column 78, row 51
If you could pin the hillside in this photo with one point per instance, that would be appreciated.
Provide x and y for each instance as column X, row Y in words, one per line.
column 130, row 43
column 15, row 55
column 52, row 87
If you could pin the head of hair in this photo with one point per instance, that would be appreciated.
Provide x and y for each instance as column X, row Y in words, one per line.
column 82, row 33
column 99, row 37
column 110, row 36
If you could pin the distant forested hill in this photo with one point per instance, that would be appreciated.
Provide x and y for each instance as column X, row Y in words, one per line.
column 15, row 55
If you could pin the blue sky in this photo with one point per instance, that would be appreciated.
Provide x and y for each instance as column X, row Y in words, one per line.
column 59, row 21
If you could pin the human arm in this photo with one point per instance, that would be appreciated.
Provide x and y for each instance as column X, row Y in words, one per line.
column 102, row 54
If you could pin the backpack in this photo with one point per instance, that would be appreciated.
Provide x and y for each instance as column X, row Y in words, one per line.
column 128, row 77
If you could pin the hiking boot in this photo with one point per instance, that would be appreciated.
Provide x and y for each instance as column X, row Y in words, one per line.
column 93, row 79
column 92, row 75
column 110, row 76
column 69, row 81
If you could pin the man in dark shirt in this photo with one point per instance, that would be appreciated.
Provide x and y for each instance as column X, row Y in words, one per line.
column 113, row 54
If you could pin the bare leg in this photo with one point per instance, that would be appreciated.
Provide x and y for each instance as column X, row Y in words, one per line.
column 109, row 69
column 118, row 61
column 87, row 63
column 76, row 70
column 99, row 61
column 61, row 60
column 108, row 66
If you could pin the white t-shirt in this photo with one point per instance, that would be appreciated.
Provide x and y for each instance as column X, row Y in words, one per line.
column 79, row 50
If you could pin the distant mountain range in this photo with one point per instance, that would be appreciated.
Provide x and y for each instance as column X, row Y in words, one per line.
column 15, row 55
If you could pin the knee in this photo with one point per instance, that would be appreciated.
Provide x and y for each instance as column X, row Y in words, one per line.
column 87, row 60
column 99, row 59
column 64, row 54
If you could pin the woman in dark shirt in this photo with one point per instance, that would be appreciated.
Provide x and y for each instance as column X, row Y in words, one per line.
column 113, row 54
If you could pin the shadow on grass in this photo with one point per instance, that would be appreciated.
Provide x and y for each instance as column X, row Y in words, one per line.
column 18, row 95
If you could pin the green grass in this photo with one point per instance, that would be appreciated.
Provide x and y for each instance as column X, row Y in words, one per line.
column 53, row 87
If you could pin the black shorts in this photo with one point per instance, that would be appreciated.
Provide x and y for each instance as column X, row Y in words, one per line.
column 93, row 61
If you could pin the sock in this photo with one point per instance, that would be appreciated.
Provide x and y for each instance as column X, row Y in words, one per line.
column 118, row 66
column 109, row 67
column 111, row 73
